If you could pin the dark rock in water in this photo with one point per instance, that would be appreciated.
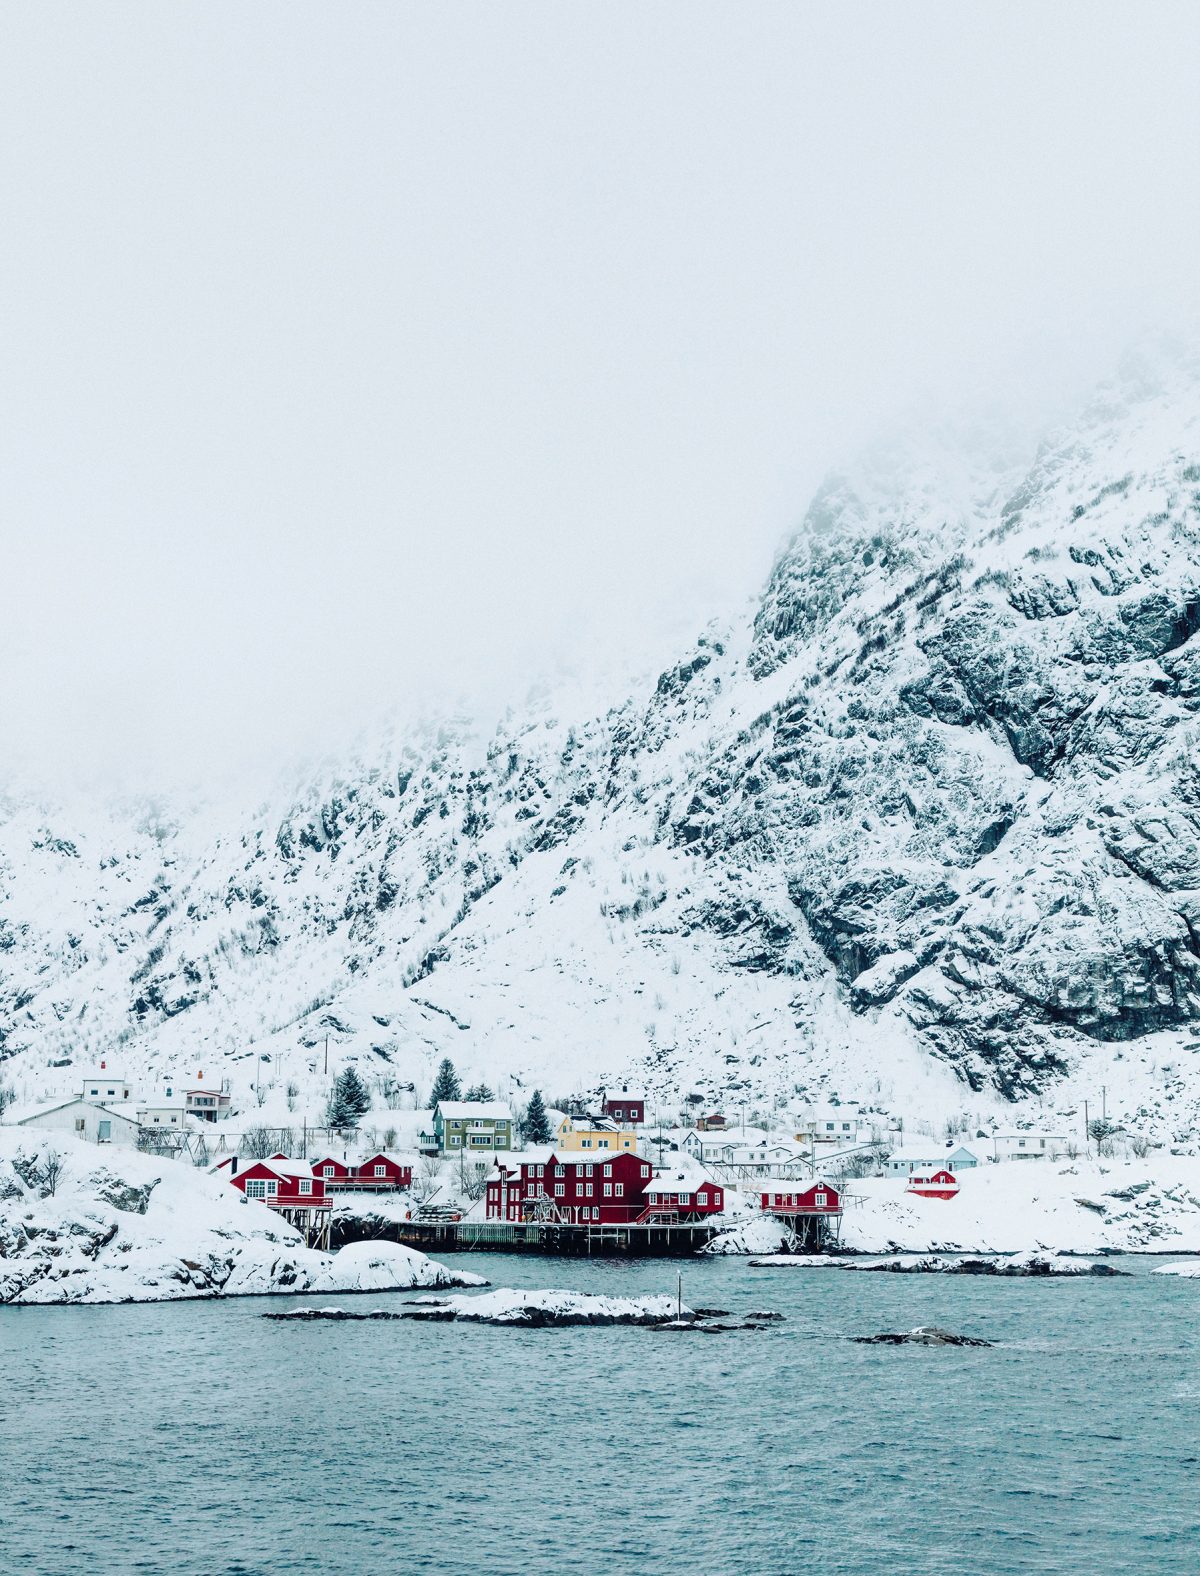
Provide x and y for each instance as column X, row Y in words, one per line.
column 923, row 1335
column 766, row 1314
column 711, row 1313
column 332, row 1313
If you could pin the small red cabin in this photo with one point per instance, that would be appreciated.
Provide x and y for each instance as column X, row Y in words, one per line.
column 379, row 1173
column 802, row 1198
column 624, row 1107
column 675, row 1195
column 283, row 1184
column 931, row 1183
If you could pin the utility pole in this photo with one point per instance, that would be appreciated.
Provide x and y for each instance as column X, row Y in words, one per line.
column 327, row 1054
column 1086, row 1131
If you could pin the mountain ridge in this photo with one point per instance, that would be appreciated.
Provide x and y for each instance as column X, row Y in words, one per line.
column 923, row 831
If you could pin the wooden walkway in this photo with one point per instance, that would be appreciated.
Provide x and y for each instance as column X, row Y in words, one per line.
column 653, row 1240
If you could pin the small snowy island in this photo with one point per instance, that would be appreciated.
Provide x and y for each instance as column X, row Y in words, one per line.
column 82, row 1226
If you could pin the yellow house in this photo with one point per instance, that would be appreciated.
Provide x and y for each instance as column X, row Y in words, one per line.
column 595, row 1133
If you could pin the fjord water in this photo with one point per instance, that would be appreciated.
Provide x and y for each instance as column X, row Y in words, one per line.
column 199, row 1437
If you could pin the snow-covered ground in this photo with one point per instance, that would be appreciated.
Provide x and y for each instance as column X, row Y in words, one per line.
column 552, row 1306
column 124, row 1227
column 1076, row 1207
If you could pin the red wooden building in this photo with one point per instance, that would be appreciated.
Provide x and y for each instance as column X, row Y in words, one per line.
column 802, row 1198
column 626, row 1108
column 682, row 1195
column 574, row 1189
column 380, row 1173
column 931, row 1182
column 288, row 1187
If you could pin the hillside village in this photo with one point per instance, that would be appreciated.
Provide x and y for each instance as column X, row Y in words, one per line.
column 611, row 1173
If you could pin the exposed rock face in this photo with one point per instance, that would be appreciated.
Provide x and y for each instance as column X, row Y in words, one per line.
column 944, row 790
column 924, row 1335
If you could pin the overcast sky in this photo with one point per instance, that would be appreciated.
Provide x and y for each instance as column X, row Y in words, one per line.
column 363, row 353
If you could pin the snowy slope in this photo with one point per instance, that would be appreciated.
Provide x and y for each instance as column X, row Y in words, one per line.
column 921, row 829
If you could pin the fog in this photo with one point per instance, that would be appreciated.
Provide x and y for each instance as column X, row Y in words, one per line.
column 371, row 356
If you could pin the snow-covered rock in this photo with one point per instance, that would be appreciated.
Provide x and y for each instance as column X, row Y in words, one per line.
column 552, row 1307
column 923, row 829
column 123, row 1227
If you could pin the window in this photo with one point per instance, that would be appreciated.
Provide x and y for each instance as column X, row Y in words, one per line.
column 608, row 1171
column 80, row 1124
column 381, row 1171
column 256, row 1188
column 587, row 1189
column 645, row 1171
column 619, row 1190
column 603, row 1144
column 559, row 1189
column 829, row 1127
column 608, row 1190
column 455, row 1141
column 587, row 1171
column 1020, row 1143
column 587, row 1143
column 305, row 1185
column 820, row 1201
column 93, row 1091
column 272, row 1187
column 328, row 1170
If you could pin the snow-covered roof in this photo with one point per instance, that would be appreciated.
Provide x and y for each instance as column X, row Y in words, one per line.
column 285, row 1168
column 924, row 1155
column 479, row 1110
column 678, row 1180
column 33, row 1112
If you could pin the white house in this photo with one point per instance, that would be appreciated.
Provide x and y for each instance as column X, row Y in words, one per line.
column 954, row 1157
column 98, row 1124
column 838, row 1124
column 1029, row 1146
column 105, row 1087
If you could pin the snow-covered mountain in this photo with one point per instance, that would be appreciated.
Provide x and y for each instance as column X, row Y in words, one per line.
column 922, row 829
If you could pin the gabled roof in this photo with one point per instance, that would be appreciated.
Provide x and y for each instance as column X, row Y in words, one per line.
column 481, row 1110
column 679, row 1180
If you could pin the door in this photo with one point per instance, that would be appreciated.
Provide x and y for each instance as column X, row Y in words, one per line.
column 104, row 1132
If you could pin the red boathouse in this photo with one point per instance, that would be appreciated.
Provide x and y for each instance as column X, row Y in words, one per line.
column 930, row 1183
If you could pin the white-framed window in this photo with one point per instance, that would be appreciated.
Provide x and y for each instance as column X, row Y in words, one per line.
column 381, row 1171
column 1020, row 1143
column 608, row 1171
column 587, row 1171
column 272, row 1187
column 587, row 1190
column 608, row 1190
column 820, row 1201
column 305, row 1185
column 619, row 1190
column 256, row 1188
column 559, row 1189
column 645, row 1171
column 81, row 1124
column 328, row 1171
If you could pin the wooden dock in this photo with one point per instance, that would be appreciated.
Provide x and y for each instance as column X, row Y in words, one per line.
column 655, row 1240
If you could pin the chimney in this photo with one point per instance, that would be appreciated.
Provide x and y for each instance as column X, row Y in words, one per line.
column 233, row 1167
column 103, row 1065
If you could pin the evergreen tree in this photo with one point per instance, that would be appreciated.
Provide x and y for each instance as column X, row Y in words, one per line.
column 446, row 1085
column 355, row 1092
column 537, row 1123
column 479, row 1091
column 339, row 1113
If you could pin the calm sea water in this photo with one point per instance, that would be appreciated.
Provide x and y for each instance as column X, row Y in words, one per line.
column 202, row 1438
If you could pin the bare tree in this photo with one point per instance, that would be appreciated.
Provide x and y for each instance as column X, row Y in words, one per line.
column 7, row 1097
column 428, row 1178
column 258, row 1143
column 52, row 1171
column 472, row 1177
